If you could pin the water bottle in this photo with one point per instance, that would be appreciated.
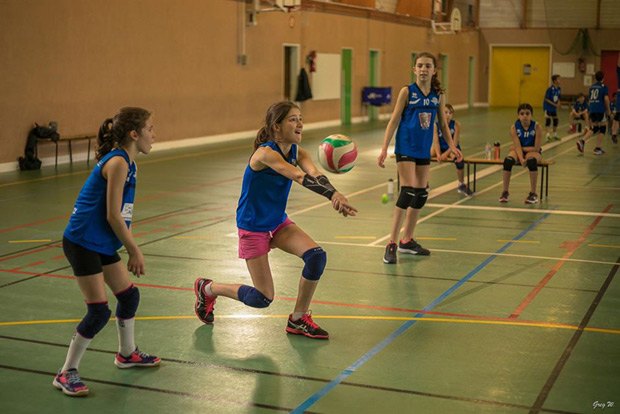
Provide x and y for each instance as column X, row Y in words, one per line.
column 496, row 150
column 390, row 189
column 487, row 151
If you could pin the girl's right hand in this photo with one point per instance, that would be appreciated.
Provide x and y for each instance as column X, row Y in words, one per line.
column 135, row 264
column 341, row 205
column 381, row 158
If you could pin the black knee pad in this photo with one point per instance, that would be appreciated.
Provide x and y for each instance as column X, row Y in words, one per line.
column 602, row 129
column 459, row 165
column 405, row 198
column 421, row 195
column 532, row 165
column 96, row 318
column 509, row 162
column 315, row 261
column 547, row 121
column 556, row 121
column 595, row 129
column 128, row 301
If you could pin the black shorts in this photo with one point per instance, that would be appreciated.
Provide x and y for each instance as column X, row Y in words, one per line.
column 417, row 161
column 597, row 117
column 86, row 262
column 551, row 114
column 617, row 116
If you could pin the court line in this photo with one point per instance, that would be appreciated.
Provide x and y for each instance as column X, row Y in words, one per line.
column 29, row 241
column 526, row 210
column 506, row 322
column 571, row 247
column 557, row 369
column 347, row 372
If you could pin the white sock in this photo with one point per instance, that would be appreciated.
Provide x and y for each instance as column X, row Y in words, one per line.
column 126, row 342
column 207, row 290
column 77, row 347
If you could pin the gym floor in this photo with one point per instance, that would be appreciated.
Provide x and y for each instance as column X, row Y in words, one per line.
column 515, row 311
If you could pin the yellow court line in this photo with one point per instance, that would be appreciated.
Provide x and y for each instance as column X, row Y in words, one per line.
column 518, row 241
column 611, row 246
column 194, row 237
column 437, row 238
column 356, row 237
column 544, row 325
column 30, row 241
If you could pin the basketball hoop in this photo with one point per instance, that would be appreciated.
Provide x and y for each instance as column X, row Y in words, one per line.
column 451, row 27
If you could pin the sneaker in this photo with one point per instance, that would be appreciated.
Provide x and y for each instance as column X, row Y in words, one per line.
column 572, row 129
column 412, row 247
column 306, row 326
column 390, row 253
column 548, row 137
column 598, row 151
column 614, row 139
column 204, row 304
column 532, row 198
column 463, row 189
column 136, row 359
column 555, row 137
column 504, row 197
column 581, row 145
column 70, row 383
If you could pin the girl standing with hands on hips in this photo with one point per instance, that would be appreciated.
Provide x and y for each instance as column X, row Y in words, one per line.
column 417, row 107
column 99, row 225
column 263, row 224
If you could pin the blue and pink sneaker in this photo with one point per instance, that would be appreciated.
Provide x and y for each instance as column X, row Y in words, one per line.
column 136, row 359
column 70, row 383
column 204, row 304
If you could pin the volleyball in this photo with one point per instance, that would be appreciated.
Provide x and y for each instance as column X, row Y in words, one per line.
column 337, row 153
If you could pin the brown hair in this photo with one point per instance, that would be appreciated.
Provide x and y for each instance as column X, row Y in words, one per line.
column 435, row 84
column 114, row 132
column 450, row 108
column 275, row 114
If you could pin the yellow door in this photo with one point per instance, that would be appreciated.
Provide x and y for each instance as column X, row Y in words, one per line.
column 518, row 75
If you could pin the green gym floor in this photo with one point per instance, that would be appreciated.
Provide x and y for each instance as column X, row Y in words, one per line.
column 515, row 311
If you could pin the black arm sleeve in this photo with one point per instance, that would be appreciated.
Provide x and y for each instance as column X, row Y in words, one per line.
column 319, row 185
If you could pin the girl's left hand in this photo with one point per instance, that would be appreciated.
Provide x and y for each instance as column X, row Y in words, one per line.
column 342, row 206
column 457, row 154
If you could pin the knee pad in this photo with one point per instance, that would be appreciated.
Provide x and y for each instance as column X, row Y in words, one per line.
column 421, row 195
column 405, row 198
column 595, row 129
column 315, row 260
column 532, row 164
column 459, row 165
column 96, row 318
column 128, row 301
column 556, row 121
column 547, row 121
column 509, row 162
column 602, row 129
column 253, row 297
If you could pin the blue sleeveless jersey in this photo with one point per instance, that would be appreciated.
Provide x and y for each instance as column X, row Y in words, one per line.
column 414, row 137
column 596, row 99
column 526, row 137
column 88, row 225
column 443, row 145
column 264, row 194
column 580, row 106
column 553, row 94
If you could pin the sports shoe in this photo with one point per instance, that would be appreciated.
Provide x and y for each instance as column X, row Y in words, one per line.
column 548, row 137
column 390, row 253
column 581, row 145
column 614, row 139
column 598, row 151
column 70, row 383
column 532, row 198
column 555, row 137
column 136, row 359
column 463, row 189
column 306, row 326
column 413, row 247
column 572, row 128
column 204, row 303
column 504, row 197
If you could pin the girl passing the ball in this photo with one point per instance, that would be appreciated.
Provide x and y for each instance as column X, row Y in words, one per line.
column 417, row 107
column 263, row 224
column 98, row 227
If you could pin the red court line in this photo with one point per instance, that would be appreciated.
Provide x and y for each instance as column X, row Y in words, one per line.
column 571, row 246
column 34, row 223
column 27, row 253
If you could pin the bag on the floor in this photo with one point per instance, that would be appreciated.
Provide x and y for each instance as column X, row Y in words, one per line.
column 30, row 161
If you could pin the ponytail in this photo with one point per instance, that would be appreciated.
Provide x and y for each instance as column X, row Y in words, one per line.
column 114, row 132
column 275, row 114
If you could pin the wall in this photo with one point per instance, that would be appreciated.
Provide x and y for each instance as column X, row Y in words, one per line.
column 560, row 39
column 77, row 62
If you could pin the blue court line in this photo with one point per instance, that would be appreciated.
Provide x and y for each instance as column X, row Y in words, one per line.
column 347, row 372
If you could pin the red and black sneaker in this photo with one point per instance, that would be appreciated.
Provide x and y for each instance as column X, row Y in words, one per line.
column 204, row 303
column 306, row 326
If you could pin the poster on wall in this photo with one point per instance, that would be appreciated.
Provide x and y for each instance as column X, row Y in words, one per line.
column 564, row 69
column 587, row 80
column 326, row 79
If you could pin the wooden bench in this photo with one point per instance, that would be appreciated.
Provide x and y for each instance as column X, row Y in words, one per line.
column 69, row 140
column 543, row 164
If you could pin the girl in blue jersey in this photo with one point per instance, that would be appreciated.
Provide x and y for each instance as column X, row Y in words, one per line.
column 444, row 153
column 579, row 112
column 616, row 122
column 98, row 227
column 551, row 103
column 598, row 107
column 415, row 111
column 526, row 137
column 263, row 224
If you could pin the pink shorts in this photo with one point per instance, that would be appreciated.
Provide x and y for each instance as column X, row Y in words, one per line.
column 257, row 243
